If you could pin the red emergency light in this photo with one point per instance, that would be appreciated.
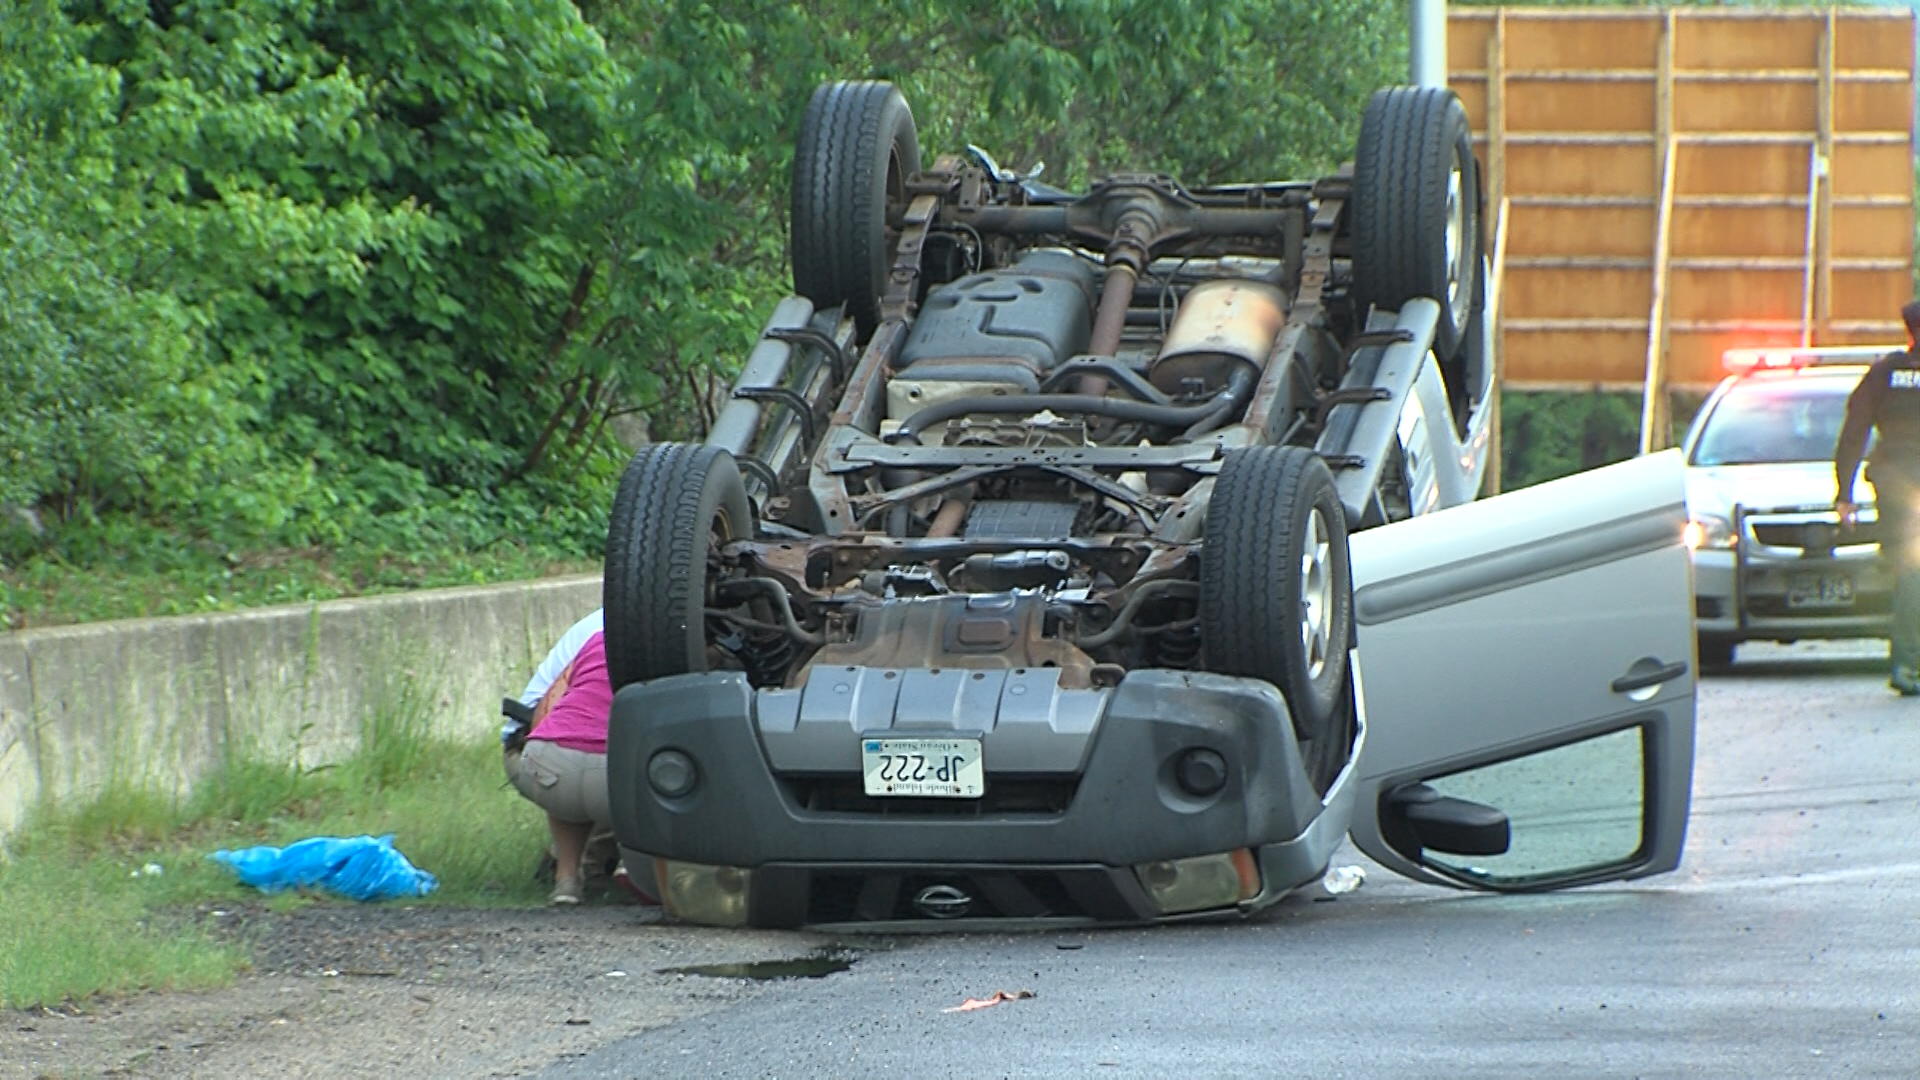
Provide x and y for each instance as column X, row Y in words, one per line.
column 1742, row 361
column 1747, row 361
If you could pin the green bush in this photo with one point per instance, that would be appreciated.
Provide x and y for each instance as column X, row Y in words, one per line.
column 276, row 273
column 373, row 274
column 110, row 401
column 1546, row 435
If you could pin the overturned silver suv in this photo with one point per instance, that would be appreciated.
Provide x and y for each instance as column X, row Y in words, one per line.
column 1014, row 583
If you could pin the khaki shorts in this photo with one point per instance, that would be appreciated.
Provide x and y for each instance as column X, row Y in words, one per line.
column 571, row 785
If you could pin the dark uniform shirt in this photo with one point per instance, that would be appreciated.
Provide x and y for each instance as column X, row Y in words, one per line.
column 1888, row 398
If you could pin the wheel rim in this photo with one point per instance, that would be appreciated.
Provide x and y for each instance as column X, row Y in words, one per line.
column 896, row 179
column 893, row 206
column 1316, row 594
column 719, row 534
column 1456, row 241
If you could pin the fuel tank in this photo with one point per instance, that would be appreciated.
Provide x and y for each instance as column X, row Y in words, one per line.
column 1012, row 325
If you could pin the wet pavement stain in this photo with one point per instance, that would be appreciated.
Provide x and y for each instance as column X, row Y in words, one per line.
column 818, row 965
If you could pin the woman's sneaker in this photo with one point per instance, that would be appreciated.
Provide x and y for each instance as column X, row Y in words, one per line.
column 566, row 893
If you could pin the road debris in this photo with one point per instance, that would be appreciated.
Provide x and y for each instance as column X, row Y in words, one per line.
column 1343, row 879
column 999, row 996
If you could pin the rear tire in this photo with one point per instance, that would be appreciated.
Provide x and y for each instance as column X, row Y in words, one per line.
column 1416, row 220
column 857, row 147
column 1276, row 594
column 676, row 503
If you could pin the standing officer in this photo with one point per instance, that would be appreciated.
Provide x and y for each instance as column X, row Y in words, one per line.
column 1888, row 398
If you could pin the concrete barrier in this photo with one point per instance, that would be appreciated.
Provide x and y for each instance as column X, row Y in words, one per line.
column 161, row 703
column 19, row 776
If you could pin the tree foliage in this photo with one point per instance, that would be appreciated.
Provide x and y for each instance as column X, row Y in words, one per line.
column 364, row 226
column 1229, row 90
column 107, row 396
column 287, row 272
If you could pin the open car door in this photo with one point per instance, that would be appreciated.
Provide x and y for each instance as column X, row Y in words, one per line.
column 1528, row 674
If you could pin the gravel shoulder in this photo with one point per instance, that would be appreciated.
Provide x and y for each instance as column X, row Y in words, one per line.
column 422, row 991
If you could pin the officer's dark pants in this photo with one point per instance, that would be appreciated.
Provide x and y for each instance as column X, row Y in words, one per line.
column 1898, row 501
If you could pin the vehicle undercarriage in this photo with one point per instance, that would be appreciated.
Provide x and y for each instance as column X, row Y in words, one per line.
column 1092, row 447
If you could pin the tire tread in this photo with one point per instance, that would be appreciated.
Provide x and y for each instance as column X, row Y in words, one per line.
column 838, row 247
column 654, row 587
column 1407, row 138
column 1249, row 603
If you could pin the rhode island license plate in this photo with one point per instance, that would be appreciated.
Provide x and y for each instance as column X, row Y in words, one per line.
column 1820, row 591
column 941, row 768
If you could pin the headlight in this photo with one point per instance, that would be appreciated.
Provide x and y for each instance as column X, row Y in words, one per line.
column 709, row 895
column 1198, row 884
column 1709, row 531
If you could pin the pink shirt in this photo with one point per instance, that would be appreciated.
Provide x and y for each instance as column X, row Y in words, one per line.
column 578, row 721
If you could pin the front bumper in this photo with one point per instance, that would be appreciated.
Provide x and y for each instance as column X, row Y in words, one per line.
column 1769, row 586
column 1080, row 791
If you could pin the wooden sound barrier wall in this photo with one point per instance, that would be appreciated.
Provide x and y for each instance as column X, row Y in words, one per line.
column 1679, row 182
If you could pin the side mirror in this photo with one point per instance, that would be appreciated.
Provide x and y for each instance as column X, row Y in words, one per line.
column 1436, row 822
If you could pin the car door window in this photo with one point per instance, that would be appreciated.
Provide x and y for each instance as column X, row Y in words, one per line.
column 1572, row 811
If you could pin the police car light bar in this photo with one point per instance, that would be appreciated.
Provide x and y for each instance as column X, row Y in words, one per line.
column 1746, row 361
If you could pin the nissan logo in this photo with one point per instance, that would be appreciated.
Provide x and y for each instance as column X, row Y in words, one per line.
column 942, row 902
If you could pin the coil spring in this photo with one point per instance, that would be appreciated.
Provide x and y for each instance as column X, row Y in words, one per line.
column 1178, row 647
column 766, row 655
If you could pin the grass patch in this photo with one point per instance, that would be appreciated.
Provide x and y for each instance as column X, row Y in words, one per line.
column 99, row 898
column 73, row 930
column 182, row 578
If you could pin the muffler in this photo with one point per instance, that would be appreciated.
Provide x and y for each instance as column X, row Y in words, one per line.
column 1222, row 325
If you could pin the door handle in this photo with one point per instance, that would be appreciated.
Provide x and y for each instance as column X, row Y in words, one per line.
column 1626, row 684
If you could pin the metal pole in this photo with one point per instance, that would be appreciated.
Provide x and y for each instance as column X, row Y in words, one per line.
column 1427, row 42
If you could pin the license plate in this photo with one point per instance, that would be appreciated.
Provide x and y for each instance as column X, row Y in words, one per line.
column 939, row 768
column 1820, row 591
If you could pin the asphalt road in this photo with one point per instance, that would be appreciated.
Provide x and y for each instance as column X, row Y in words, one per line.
column 1788, row 944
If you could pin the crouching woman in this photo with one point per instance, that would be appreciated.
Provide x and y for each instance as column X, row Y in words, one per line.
column 562, row 765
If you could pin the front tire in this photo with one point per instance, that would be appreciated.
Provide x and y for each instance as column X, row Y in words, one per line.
column 1276, row 592
column 1416, row 208
column 676, row 503
column 857, row 147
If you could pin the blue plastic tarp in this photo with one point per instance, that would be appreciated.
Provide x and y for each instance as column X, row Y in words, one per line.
column 358, row 868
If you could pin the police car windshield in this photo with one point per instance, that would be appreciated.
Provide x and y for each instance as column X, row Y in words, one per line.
column 1765, row 421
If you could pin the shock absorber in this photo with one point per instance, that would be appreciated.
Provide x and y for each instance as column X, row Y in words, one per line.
column 767, row 654
column 1178, row 646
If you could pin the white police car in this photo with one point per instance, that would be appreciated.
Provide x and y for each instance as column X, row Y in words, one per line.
column 1771, row 560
